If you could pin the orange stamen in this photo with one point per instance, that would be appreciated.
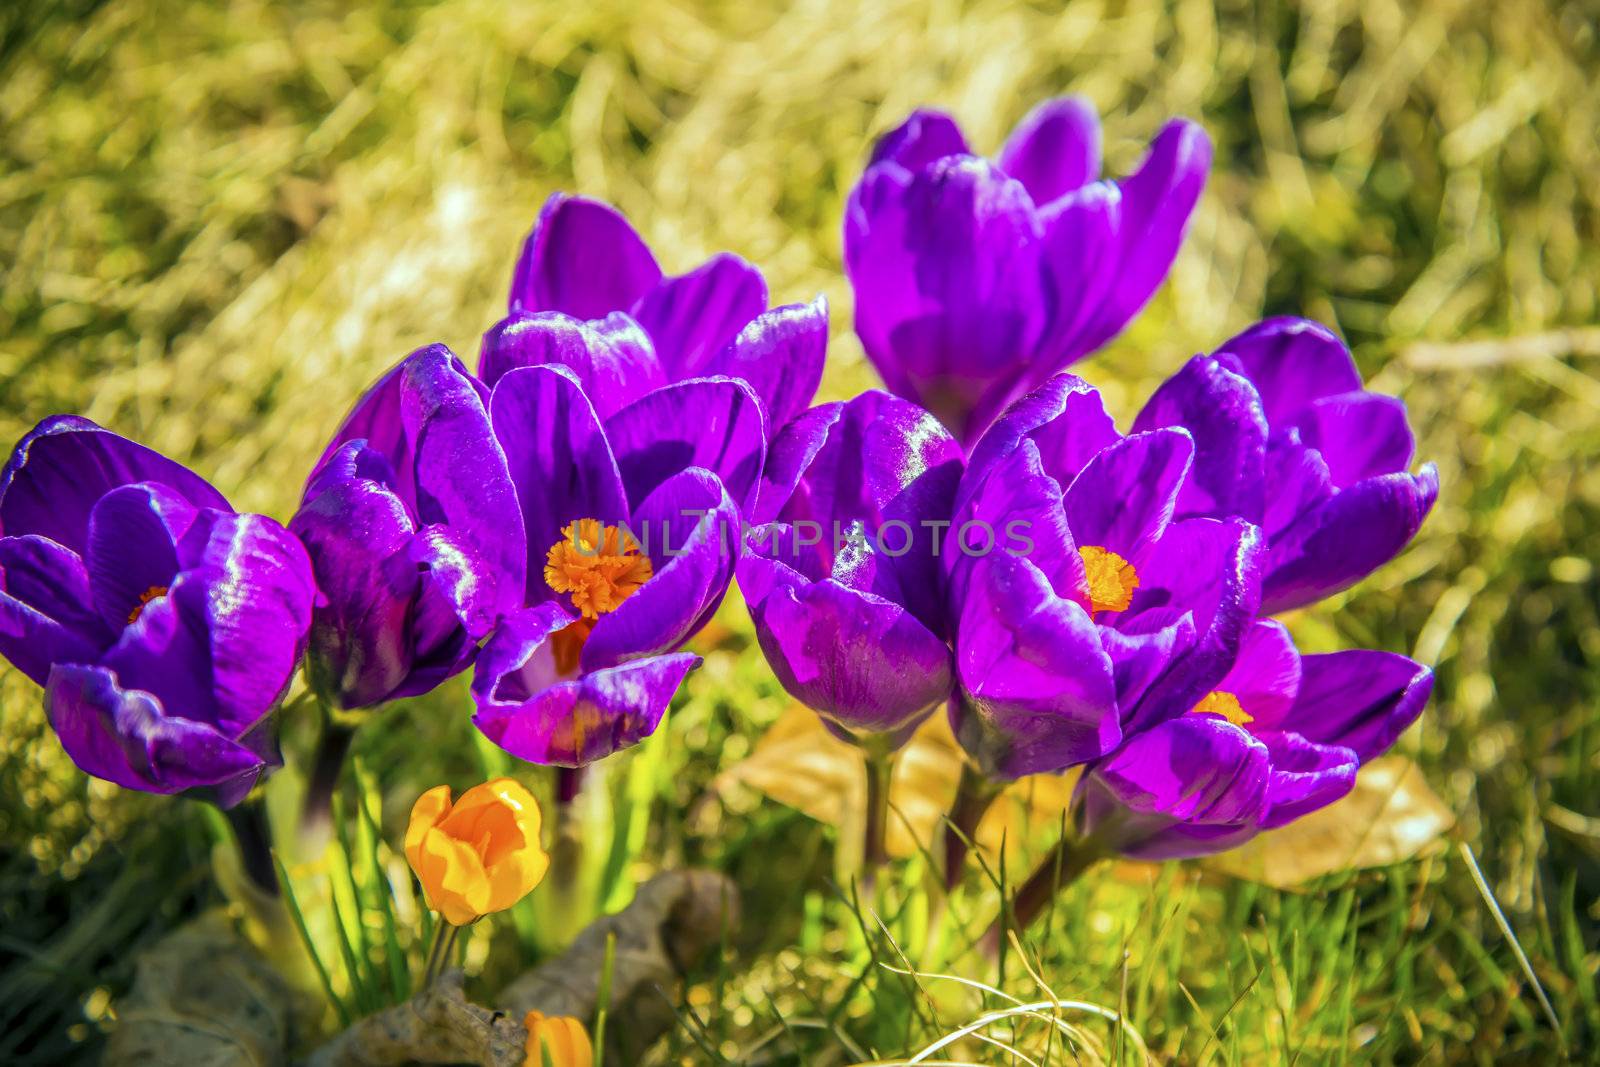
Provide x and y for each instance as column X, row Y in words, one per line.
column 154, row 592
column 599, row 565
column 1111, row 579
column 1224, row 704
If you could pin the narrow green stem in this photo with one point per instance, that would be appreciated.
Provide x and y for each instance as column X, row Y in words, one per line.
column 444, row 944
column 875, row 841
column 975, row 795
column 1060, row 868
column 254, row 838
column 316, row 814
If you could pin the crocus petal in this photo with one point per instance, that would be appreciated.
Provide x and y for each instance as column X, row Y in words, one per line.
column 1266, row 674
column 1156, row 202
column 351, row 526
column 864, row 662
column 1291, row 362
column 1305, row 776
column 46, row 613
column 583, row 259
column 1020, row 507
column 694, row 316
column 944, row 264
column 1296, row 481
column 1221, row 410
column 1037, row 692
column 124, row 735
column 925, row 136
column 1359, row 435
column 133, row 547
column 1142, row 650
column 1192, row 772
column 1349, row 536
column 559, row 460
column 794, row 448
column 780, row 353
column 525, row 710
column 454, row 606
column 1055, row 149
column 65, row 464
column 1125, row 496
column 1066, row 420
column 1209, row 570
column 1359, row 699
column 690, row 527
column 1080, row 255
column 614, row 367
column 713, row 423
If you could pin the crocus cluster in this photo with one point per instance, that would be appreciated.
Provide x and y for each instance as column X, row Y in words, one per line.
column 982, row 540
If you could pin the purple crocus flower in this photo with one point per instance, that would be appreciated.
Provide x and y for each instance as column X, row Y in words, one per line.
column 163, row 626
column 843, row 581
column 1287, row 437
column 414, row 533
column 1280, row 736
column 631, row 525
column 975, row 280
column 1082, row 607
column 588, row 295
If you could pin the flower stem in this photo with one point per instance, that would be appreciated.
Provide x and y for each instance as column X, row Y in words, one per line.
column 569, row 783
column 875, row 841
column 316, row 815
column 1060, row 868
column 975, row 795
column 439, row 953
column 254, row 838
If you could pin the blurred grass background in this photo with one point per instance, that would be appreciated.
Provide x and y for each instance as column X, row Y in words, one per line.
column 219, row 221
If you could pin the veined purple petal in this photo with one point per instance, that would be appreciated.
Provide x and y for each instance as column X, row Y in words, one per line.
column 1359, row 699
column 1142, row 650
column 1291, row 362
column 1299, row 481
column 1037, row 692
column 64, row 465
column 1080, row 255
column 794, row 448
column 134, row 532
column 690, row 527
column 862, row 661
column 1209, row 570
column 1156, row 202
column 1194, row 772
column 559, row 459
column 455, row 607
column 614, row 367
column 1305, row 776
column 1124, row 498
column 714, row 423
column 1352, row 534
column 46, row 610
column 528, row 710
column 1055, row 149
column 694, row 316
column 125, row 736
column 780, row 354
column 1066, row 420
column 1359, row 435
column 944, row 263
column 1265, row 676
column 1223, row 413
column 360, row 644
column 923, row 138
column 583, row 259
column 1021, row 507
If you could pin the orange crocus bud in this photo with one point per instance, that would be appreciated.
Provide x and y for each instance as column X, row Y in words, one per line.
column 479, row 855
column 560, row 1041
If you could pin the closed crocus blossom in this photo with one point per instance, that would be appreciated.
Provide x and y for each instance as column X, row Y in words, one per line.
column 976, row 280
column 1081, row 607
column 1287, row 437
column 843, row 580
column 588, row 295
column 631, row 526
column 1279, row 736
column 164, row 626
column 414, row 533
column 478, row 855
column 557, row 1040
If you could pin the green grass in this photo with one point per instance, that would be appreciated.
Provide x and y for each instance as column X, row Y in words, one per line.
column 217, row 223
